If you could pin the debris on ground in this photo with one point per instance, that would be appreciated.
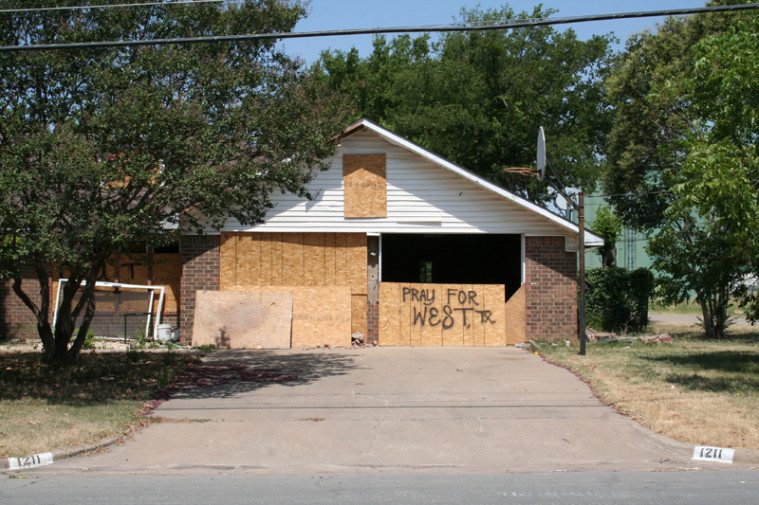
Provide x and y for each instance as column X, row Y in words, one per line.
column 594, row 335
column 357, row 339
column 664, row 338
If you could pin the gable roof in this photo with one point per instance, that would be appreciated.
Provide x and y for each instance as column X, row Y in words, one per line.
column 591, row 239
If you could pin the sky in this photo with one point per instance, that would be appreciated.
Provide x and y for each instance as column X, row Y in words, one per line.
column 334, row 14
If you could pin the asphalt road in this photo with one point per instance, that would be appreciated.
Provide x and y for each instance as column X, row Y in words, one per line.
column 671, row 488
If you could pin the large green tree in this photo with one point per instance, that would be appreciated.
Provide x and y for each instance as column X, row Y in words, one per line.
column 102, row 148
column 683, row 156
column 478, row 98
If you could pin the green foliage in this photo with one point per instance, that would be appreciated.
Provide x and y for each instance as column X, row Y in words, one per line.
column 478, row 98
column 89, row 341
column 607, row 226
column 102, row 148
column 684, row 156
column 617, row 298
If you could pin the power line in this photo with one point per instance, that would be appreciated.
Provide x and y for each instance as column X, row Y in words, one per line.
column 523, row 23
column 629, row 193
column 23, row 10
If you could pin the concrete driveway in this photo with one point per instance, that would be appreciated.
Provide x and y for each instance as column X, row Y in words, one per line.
column 386, row 409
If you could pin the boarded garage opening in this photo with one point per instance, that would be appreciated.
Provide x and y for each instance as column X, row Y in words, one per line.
column 453, row 259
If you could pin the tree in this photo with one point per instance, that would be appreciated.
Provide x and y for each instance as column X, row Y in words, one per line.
column 607, row 226
column 102, row 148
column 478, row 98
column 683, row 153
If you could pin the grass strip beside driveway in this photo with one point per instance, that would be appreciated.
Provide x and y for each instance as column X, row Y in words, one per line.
column 694, row 390
column 44, row 408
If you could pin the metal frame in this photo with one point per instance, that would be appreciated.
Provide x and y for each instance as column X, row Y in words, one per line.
column 104, row 284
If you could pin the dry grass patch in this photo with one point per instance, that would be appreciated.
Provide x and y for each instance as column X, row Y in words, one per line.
column 44, row 408
column 693, row 390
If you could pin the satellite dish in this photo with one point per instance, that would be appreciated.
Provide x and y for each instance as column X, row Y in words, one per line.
column 541, row 153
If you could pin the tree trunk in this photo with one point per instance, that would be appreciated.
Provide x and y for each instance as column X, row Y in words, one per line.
column 55, row 341
column 714, row 312
column 708, row 319
column 609, row 258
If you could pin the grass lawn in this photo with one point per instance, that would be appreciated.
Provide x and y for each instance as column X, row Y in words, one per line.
column 43, row 408
column 690, row 308
column 693, row 390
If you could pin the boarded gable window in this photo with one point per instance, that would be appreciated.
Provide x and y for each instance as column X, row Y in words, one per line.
column 365, row 183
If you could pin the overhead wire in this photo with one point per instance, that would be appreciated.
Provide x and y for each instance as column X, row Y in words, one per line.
column 53, row 8
column 519, row 23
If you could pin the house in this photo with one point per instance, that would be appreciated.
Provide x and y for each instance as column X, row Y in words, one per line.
column 396, row 244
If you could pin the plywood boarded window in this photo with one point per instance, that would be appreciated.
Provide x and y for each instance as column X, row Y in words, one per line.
column 365, row 185
column 297, row 261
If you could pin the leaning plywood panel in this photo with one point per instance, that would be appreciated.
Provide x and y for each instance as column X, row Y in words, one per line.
column 365, row 185
column 242, row 319
column 516, row 317
column 321, row 316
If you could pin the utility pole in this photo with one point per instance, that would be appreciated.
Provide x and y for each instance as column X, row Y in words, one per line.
column 581, row 274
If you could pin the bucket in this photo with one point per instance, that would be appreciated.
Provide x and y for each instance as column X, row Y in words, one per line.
column 164, row 333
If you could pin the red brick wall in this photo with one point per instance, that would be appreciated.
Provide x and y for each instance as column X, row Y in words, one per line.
column 200, row 270
column 372, row 323
column 16, row 320
column 550, row 277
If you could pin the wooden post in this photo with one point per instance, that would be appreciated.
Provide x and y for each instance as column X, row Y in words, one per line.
column 581, row 277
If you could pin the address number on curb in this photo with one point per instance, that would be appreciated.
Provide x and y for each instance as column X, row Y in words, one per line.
column 42, row 459
column 717, row 454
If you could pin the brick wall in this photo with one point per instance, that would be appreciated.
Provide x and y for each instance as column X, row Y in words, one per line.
column 16, row 320
column 550, row 277
column 200, row 270
column 372, row 323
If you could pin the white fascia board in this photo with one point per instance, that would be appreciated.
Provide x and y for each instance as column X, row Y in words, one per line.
column 591, row 239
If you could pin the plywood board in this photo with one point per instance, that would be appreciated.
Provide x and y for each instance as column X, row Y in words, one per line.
column 431, row 334
column 313, row 251
column 389, row 316
column 358, row 314
column 277, row 265
column 365, row 185
column 227, row 260
column 321, row 316
column 473, row 335
column 442, row 314
column 495, row 328
column 243, row 319
column 292, row 259
column 516, row 317
column 357, row 265
column 299, row 259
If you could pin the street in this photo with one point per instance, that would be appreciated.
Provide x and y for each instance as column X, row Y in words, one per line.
column 671, row 488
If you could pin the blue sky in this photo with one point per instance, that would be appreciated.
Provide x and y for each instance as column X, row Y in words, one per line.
column 332, row 14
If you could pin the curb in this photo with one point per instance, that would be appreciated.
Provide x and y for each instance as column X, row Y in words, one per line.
column 5, row 464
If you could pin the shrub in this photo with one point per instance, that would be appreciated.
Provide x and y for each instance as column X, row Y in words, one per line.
column 617, row 298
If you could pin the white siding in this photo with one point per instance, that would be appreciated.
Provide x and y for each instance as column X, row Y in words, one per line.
column 422, row 197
